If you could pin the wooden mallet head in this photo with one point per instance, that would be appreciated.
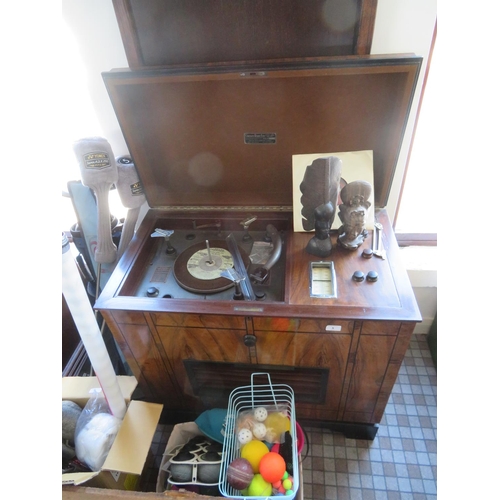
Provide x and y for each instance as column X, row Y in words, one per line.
column 98, row 169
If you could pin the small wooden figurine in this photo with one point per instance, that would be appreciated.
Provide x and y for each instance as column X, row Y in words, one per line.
column 320, row 188
column 321, row 244
column 352, row 214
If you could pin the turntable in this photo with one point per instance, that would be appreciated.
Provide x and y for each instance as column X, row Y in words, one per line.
column 216, row 284
column 216, row 265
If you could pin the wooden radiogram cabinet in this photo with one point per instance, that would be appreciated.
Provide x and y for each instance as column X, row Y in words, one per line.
column 341, row 356
column 213, row 146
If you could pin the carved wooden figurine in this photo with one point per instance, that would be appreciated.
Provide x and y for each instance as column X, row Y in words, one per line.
column 320, row 188
column 321, row 244
column 352, row 213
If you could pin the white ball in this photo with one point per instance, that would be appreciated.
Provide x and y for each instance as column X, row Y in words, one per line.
column 260, row 414
column 245, row 436
column 259, row 430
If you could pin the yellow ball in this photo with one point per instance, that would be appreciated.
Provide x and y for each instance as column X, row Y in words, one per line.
column 259, row 487
column 276, row 424
column 253, row 452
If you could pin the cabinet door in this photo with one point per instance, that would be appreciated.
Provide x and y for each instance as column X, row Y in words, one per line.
column 372, row 360
column 319, row 362
column 200, row 360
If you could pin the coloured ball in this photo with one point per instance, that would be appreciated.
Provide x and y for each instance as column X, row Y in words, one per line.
column 181, row 473
column 259, row 430
column 259, row 487
column 239, row 473
column 245, row 436
column 272, row 466
column 253, row 452
column 276, row 424
column 260, row 414
column 287, row 484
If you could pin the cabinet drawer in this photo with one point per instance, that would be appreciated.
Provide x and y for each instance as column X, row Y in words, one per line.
column 199, row 320
column 380, row 327
column 303, row 325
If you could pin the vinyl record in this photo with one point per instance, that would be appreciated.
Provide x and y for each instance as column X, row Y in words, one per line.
column 196, row 272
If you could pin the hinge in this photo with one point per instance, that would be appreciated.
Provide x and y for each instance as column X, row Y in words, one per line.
column 202, row 208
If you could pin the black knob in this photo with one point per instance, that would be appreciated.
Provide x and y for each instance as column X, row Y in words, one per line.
column 170, row 249
column 367, row 253
column 250, row 340
column 152, row 291
column 358, row 276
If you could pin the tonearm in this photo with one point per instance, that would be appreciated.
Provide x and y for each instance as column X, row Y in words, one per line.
column 261, row 273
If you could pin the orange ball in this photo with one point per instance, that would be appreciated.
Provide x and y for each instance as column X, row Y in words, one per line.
column 272, row 467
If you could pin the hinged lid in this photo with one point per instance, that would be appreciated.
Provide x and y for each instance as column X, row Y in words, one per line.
column 161, row 33
column 225, row 137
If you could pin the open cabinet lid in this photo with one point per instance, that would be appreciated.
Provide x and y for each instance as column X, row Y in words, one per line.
column 164, row 33
column 225, row 137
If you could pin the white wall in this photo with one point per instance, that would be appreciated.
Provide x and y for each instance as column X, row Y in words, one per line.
column 95, row 30
column 421, row 263
column 404, row 26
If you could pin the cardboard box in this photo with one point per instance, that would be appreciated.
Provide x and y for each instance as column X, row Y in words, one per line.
column 124, row 464
column 87, row 493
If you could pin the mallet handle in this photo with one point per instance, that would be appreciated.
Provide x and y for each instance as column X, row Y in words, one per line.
column 106, row 250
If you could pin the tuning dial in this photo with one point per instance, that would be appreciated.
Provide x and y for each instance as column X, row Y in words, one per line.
column 152, row 291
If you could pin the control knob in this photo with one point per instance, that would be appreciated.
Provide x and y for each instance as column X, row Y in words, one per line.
column 250, row 340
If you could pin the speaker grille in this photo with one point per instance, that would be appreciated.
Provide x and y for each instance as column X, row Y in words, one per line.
column 214, row 381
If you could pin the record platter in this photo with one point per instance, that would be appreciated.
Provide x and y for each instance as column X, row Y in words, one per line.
column 198, row 264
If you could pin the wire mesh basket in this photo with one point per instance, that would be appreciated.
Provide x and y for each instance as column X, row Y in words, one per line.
column 247, row 398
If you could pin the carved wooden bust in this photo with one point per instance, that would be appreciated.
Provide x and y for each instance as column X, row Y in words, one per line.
column 352, row 213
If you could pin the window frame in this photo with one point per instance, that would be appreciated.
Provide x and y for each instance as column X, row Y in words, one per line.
column 415, row 239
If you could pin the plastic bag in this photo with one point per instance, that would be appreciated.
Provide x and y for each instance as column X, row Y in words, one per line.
column 95, row 431
column 262, row 423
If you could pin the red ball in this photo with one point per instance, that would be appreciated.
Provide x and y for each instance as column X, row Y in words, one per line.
column 272, row 467
column 239, row 473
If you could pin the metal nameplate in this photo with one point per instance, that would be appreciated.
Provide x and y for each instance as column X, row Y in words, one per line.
column 260, row 138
